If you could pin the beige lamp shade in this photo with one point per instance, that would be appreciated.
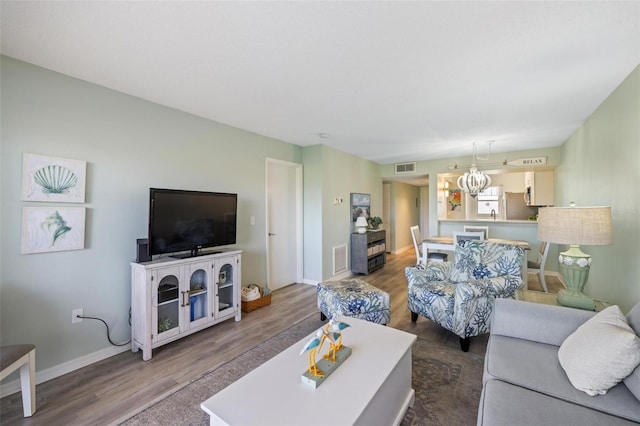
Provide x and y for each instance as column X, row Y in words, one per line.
column 589, row 226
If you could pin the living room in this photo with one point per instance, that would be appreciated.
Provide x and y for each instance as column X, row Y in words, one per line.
column 131, row 144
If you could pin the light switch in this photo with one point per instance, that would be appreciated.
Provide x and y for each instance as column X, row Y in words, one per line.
column 253, row 220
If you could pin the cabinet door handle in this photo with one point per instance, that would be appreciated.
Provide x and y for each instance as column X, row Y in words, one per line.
column 270, row 234
column 185, row 299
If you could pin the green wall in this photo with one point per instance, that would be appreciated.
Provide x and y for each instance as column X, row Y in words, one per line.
column 129, row 145
column 601, row 167
column 333, row 174
column 313, row 253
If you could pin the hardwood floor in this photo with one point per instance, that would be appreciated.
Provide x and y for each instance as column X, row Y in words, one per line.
column 111, row 390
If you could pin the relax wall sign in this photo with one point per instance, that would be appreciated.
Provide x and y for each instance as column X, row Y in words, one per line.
column 528, row 162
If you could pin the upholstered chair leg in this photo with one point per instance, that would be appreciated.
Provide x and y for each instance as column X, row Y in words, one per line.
column 464, row 344
column 414, row 317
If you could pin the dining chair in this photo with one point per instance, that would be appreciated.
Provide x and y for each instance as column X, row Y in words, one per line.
column 475, row 228
column 538, row 266
column 417, row 244
column 461, row 236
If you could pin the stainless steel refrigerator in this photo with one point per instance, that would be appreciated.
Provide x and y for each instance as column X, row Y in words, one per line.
column 516, row 207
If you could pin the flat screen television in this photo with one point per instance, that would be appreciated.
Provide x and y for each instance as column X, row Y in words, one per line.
column 181, row 221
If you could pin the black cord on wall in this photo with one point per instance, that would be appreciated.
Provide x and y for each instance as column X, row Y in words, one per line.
column 108, row 331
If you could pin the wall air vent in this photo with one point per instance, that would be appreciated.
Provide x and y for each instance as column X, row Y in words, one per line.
column 339, row 259
column 405, row 168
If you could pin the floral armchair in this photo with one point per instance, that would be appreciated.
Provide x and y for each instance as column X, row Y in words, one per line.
column 459, row 295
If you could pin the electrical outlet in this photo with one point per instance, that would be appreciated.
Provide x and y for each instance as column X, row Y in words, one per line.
column 76, row 314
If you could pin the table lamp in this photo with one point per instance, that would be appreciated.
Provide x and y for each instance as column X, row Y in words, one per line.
column 361, row 224
column 575, row 226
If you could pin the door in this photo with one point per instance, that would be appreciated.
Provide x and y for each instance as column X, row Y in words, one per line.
column 284, row 223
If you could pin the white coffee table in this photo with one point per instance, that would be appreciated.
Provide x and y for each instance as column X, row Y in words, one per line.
column 372, row 387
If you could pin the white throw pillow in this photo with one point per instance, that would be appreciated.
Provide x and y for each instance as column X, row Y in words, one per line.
column 601, row 352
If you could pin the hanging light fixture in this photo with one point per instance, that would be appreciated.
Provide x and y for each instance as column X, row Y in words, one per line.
column 474, row 181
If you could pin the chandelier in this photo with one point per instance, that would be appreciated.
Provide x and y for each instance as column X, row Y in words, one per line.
column 474, row 181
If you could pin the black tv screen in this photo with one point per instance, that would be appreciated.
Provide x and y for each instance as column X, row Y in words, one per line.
column 190, row 220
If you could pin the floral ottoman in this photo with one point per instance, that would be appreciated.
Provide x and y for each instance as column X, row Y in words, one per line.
column 353, row 298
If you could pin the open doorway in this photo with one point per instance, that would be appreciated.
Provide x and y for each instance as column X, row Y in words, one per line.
column 406, row 205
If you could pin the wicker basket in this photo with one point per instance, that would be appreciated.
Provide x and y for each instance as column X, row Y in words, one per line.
column 252, row 305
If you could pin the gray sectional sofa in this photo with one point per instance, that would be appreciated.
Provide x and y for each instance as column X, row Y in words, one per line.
column 524, row 383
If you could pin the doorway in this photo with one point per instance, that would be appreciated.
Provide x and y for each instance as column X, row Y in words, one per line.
column 284, row 223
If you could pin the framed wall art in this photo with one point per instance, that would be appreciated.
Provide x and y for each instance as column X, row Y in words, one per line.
column 455, row 199
column 360, row 206
column 48, row 229
column 53, row 179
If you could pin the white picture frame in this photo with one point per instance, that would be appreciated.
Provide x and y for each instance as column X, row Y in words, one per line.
column 53, row 179
column 50, row 229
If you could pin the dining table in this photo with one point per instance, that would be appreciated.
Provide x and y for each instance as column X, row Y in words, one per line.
column 445, row 242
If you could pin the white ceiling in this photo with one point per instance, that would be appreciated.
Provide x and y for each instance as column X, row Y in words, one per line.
column 387, row 81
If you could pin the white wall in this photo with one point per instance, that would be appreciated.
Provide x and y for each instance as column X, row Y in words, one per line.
column 129, row 145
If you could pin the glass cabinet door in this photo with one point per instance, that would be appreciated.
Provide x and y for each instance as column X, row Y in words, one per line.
column 168, row 304
column 198, row 293
column 226, row 278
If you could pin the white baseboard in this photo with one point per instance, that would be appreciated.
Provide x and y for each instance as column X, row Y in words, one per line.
column 64, row 368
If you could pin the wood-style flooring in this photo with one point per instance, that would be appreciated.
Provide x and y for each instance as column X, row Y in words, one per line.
column 111, row 390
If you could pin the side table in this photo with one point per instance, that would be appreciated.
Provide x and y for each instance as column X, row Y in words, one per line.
column 550, row 298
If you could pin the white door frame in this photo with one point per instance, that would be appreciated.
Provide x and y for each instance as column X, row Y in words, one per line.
column 424, row 212
column 299, row 217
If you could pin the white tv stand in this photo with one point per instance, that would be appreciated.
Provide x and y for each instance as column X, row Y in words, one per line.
column 172, row 298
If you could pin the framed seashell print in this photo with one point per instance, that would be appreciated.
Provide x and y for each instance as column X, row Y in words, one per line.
column 53, row 179
column 56, row 228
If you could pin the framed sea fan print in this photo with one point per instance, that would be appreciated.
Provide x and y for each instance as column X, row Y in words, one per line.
column 47, row 229
column 53, row 179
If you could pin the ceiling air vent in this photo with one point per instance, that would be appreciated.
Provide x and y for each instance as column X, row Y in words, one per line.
column 405, row 167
